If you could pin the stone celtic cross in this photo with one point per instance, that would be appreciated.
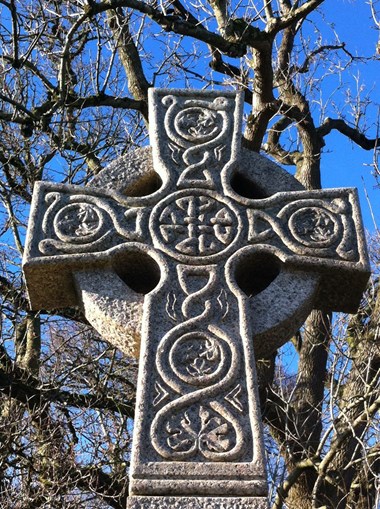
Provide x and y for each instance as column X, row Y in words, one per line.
column 229, row 267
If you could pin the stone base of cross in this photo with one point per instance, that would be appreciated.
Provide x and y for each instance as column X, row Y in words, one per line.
column 200, row 256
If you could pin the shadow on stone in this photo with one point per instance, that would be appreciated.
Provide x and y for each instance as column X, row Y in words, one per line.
column 256, row 271
column 246, row 187
column 139, row 271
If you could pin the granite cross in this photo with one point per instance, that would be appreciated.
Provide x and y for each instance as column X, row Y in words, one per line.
column 221, row 267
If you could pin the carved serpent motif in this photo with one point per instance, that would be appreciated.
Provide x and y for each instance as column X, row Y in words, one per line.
column 199, row 365
column 198, row 131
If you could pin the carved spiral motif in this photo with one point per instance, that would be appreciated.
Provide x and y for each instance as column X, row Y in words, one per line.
column 198, row 358
column 195, row 121
column 196, row 423
column 198, row 134
column 78, row 222
column 198, row 125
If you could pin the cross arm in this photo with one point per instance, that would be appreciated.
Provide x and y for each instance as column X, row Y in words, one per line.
column 86, row 248
column 317, row 231
column 73, row 228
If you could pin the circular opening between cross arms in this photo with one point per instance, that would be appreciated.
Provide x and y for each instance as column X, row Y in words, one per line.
column 255, row 271
column 138, row 270
column 246, row 188
column 147, row 184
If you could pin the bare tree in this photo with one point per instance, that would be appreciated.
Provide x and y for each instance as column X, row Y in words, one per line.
column 74, row 77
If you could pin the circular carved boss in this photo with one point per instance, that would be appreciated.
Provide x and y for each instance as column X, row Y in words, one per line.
column 198, row 125
column 199, row 358
column 79, row 222
column 194, row 124
column 315, row 227
column 198, row 224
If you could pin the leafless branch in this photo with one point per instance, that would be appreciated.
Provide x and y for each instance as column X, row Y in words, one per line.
column 352, row 133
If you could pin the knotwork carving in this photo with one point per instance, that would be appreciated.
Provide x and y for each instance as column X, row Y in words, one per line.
column 189, row 226
column 197, row 359
column 198, row 284
column 312, row 227
column 79, row 223
column 199, row 367
column 202, row 296
column 197, row 402
column 315, row 227
column 201, row 430
column 198, row 131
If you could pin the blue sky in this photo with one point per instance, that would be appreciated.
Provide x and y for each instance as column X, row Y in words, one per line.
column 343, row 163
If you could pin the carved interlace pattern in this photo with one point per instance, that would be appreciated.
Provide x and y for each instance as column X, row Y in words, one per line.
column 198, row 124
column 201, row 430
column 198, row 134
column 198, row 366
column 200, row 400
column 78, row 223
column 77, row 220
column 196, row 225
column 200, row 358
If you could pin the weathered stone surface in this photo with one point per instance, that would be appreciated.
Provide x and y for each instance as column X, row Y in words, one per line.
column 197, row 503
column 227, row 264
column 131, row 175
column 114, row 310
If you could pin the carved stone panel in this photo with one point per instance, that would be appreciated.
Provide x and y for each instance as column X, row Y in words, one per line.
column 199, row 409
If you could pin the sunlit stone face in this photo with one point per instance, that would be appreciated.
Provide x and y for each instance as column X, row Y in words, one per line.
column 211, row 274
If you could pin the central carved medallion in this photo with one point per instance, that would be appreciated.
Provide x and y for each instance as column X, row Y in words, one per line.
column 194, row 224
column 198, row 358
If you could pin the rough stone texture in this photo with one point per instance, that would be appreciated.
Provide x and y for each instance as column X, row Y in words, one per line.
column 197, row 503
column 227, row 264
column 132, row 174
column 114, row 309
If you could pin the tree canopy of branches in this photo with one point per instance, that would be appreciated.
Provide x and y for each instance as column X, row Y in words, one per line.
column 74, row 78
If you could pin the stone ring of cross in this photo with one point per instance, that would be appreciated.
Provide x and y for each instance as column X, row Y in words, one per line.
column 199, row 256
